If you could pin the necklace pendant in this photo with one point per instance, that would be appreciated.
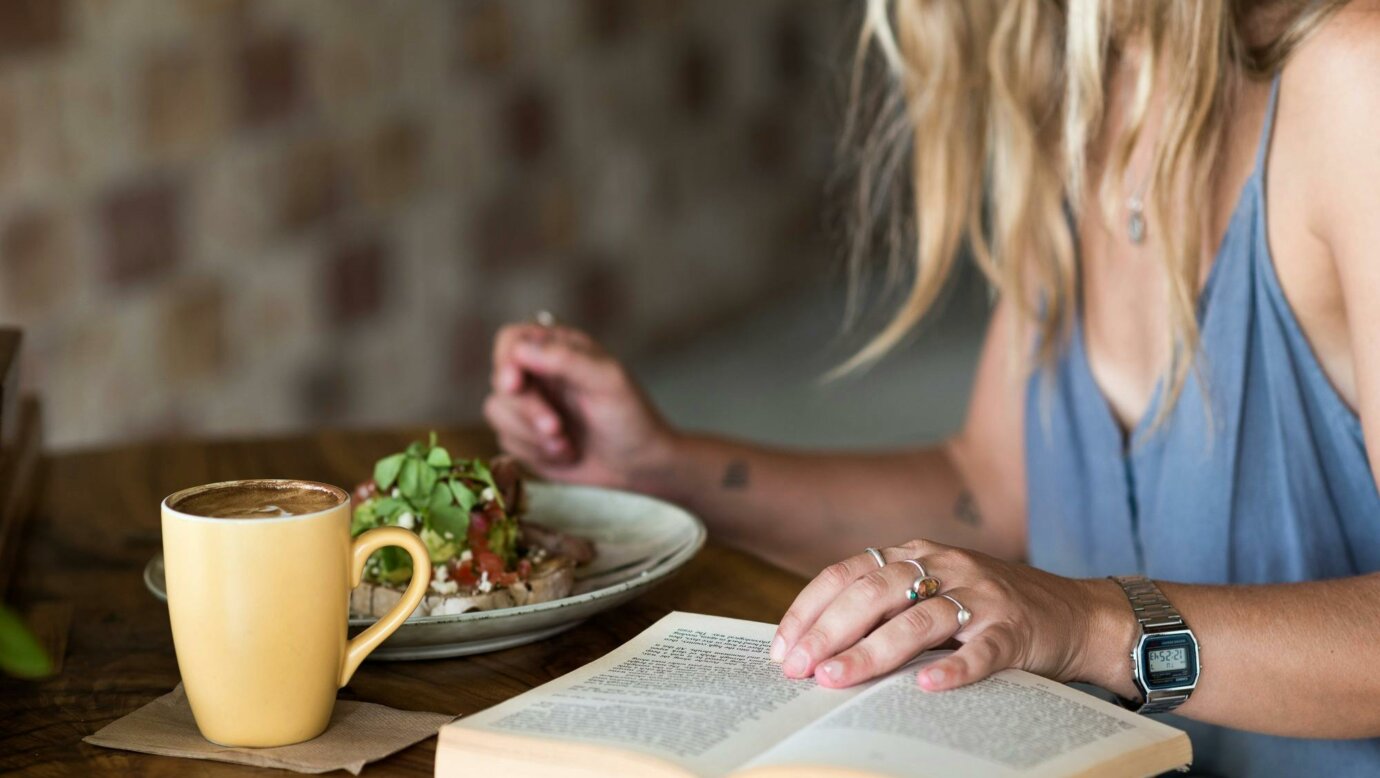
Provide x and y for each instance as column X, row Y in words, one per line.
column 1135, row 221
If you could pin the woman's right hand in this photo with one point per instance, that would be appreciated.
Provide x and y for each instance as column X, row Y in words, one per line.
column 569, row 411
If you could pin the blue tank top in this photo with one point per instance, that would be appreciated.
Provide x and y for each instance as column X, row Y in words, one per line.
column 1258, row 474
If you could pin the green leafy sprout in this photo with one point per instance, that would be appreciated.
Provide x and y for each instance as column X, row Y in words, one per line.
column 423, row 488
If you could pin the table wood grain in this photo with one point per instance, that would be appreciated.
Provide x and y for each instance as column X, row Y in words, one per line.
column 95, row 525
column 19, row 463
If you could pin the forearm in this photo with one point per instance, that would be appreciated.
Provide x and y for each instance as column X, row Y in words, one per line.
column 803, row 510
column 1293, row 659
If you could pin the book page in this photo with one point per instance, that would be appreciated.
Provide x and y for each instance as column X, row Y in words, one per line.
column 697, row 691
column 1011, row 724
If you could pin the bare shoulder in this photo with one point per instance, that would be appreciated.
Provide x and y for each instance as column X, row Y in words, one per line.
column 1324, row 160
column 1335, row 73
column 1331, row 93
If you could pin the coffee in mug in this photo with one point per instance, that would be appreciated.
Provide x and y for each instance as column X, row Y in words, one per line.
column 259, row 575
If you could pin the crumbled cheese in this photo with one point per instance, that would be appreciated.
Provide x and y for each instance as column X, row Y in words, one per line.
column 450, row 607
column 396, row 493
column 440, row 573
column 484, row 584
column 444, row 587
column 466, row 556
column 406, row 520
column 487, row 494
column 450, row 535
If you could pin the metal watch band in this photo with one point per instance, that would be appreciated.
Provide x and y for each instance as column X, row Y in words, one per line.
column 1155, row 614
column 1160, row 704
column 1152, row 609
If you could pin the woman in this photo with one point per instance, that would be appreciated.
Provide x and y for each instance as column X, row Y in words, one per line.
column 1202, row 405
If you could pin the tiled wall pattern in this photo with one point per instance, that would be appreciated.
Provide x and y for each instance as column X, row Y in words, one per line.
column 228, row 216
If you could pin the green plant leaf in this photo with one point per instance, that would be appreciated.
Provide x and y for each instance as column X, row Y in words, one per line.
column 20, row 652
column 415, row 449
column 365, row 517
column 388, row 507
column 439, row 458
column 394, row 564
column 408, row 479
column 463, row 496
column 451, row 519
column 431, row 439
column 440, row 497
column 386, row 470
column 481, row 471
column 426, row 481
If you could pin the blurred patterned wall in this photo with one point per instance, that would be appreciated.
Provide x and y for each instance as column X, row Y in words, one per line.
column 232, row 216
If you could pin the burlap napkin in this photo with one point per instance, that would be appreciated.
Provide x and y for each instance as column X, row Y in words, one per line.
column 360, row 732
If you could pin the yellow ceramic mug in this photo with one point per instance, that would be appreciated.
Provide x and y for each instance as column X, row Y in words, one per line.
column 259, row 575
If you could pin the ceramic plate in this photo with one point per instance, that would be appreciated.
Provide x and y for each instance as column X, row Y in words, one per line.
column 639, row 541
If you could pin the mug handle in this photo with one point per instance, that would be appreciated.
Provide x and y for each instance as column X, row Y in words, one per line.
column 363, row 546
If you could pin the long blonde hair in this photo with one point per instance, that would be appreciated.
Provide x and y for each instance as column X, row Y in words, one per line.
column 993, row 105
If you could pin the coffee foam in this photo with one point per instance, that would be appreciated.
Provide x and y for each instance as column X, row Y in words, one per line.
column 257, row 499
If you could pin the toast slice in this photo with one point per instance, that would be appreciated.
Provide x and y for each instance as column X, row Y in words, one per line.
column 552, row 578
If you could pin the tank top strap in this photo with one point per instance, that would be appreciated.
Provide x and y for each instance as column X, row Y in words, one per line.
column 1267, row 128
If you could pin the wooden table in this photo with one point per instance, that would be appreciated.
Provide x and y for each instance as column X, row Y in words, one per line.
column 96, row 524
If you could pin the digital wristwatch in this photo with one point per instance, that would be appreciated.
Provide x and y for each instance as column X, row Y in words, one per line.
column 1164, row 661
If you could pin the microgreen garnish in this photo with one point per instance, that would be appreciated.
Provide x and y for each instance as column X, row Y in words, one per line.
column 426, row 489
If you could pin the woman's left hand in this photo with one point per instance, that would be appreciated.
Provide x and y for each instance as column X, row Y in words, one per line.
column 854, row 622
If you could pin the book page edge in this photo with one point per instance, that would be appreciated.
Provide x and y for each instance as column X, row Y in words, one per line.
column 547, row 753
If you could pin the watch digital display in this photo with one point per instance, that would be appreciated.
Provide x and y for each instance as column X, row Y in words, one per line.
column 1168, row 661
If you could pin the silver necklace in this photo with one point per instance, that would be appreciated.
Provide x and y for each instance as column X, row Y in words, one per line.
column 1135, row 214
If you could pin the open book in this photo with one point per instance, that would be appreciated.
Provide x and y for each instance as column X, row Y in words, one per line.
column 697, row 696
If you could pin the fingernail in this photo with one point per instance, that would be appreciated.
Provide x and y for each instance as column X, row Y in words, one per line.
column 796, row 663
column 548, row 424
column 833, row 669
column 510, row 378
column 934, row 677
column 778, row 649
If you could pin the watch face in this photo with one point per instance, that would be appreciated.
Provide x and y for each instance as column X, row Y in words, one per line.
column 1169, row 661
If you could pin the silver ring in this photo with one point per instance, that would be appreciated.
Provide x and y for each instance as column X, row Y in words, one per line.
column 876, row 556
column 923, row 588
column 545, row 318
column 918, row 566
column 964, row 615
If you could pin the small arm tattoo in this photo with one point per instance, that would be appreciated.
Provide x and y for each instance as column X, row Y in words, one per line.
column 736, row 474
column 966, row 509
